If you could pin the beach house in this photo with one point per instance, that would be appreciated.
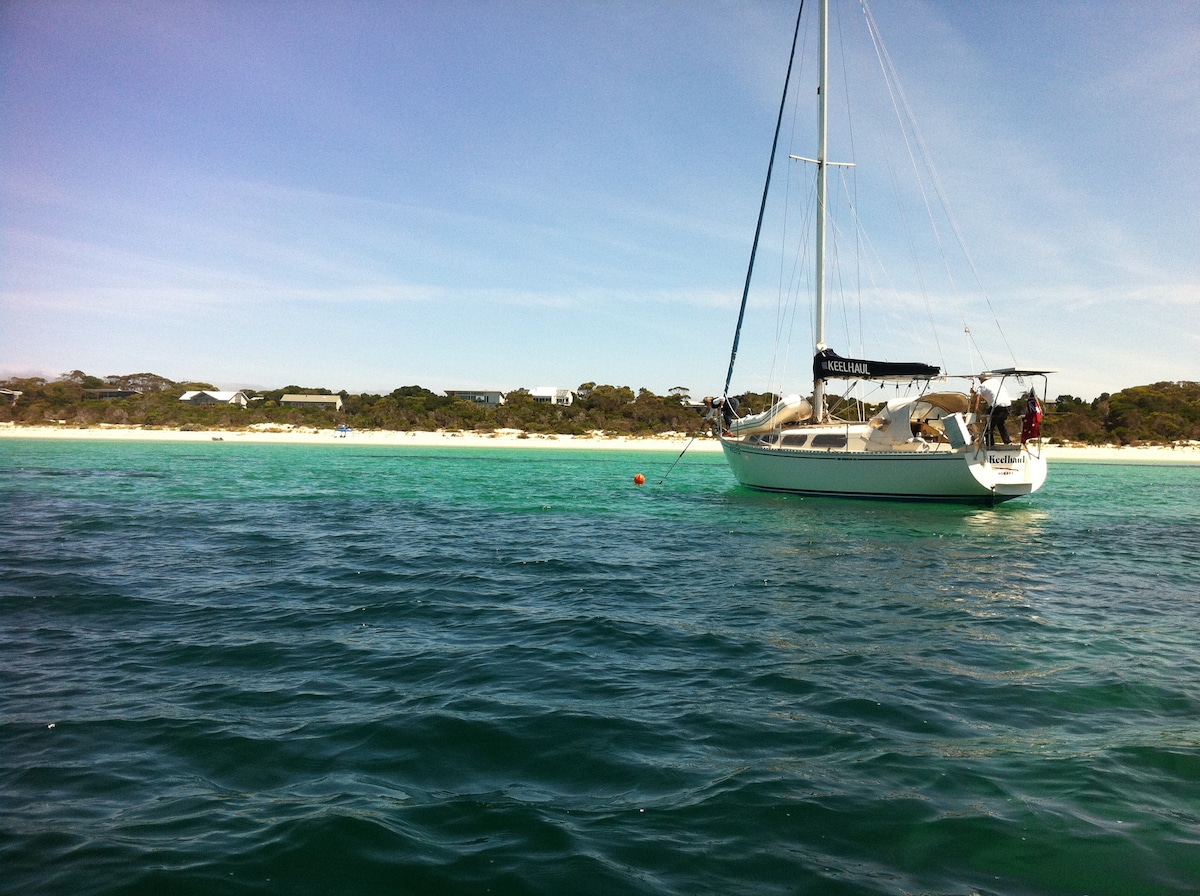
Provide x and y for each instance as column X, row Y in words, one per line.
column 312, row 401
column 479, row 396
column 552, row 395
column 110, row 394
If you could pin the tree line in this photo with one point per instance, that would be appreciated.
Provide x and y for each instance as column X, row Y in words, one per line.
column 1161, row 413
column 614, row 410
column 1157, row 414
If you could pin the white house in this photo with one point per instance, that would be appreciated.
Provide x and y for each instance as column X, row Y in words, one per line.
column 551, row 395
column 211, row 397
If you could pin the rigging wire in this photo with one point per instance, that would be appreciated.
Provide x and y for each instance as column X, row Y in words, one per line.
column 896, row 90
column 737, row 334
column 869, row 263
column 786, row 303
column 848, row 286
column 852, row 175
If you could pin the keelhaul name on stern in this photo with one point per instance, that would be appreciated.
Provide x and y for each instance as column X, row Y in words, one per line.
column 1005, row 458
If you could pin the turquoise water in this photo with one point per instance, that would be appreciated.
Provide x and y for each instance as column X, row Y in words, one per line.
column 283, row 669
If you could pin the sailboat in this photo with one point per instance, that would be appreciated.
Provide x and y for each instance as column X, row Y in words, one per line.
column 932, row 444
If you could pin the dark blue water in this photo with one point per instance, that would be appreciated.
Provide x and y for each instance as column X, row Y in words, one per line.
column 255, row 669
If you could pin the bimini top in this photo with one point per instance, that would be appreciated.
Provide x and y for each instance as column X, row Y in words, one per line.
column 1018, row 371
column 827, row 365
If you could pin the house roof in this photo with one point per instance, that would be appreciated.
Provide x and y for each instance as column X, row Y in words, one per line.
column 112, row 392
column 216, row 396
column 314, row 399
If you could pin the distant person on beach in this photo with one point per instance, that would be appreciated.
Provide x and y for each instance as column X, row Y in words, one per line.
column 999, row 400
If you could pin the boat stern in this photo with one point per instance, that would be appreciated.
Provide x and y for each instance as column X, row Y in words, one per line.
column 1011, row 471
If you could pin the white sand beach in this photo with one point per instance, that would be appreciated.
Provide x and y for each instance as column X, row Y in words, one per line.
column 278, row 435
column 269, row 434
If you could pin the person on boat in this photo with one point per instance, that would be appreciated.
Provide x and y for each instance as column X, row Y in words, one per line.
column 721, row 408
column 999, row 400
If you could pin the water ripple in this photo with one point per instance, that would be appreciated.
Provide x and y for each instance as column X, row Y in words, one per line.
column 252, row 669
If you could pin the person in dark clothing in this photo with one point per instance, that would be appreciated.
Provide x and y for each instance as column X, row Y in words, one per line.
column 1000, row 401
column 721, row 408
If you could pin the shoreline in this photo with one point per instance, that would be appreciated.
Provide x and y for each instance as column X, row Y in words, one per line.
column 275, row 435
column 303, row 435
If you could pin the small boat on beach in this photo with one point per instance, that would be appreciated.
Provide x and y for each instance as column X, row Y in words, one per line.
column 934, row 442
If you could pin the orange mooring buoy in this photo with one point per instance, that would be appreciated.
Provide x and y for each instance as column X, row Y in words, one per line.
column 639, row 479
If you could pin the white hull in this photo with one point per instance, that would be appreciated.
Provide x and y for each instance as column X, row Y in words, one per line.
column 972, row 475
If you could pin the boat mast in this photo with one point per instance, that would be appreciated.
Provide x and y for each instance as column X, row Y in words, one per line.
column 822, row 177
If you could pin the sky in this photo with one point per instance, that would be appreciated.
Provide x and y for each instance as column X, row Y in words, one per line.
column 364, row 195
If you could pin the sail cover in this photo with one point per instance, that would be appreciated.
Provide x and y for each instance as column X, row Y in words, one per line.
column 829, row 366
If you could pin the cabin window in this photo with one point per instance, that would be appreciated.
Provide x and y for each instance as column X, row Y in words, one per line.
column 829, row 440
column 795, row 441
